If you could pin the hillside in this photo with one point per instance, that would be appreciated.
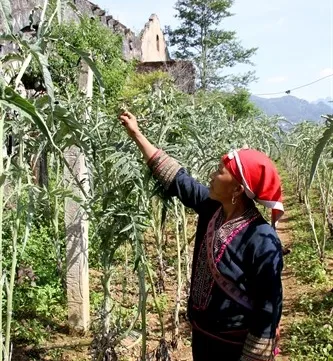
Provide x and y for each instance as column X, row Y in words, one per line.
column 292, row 108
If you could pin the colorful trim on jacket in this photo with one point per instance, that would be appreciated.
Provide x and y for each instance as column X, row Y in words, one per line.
column 206, row 274
column 219, row 235
column 258, row 349
column 216, row 251
column 164, row 167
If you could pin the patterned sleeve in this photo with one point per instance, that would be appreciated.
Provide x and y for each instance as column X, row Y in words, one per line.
column 164, row 168
column 261, row 341
column 258, row 349
column 177, row 182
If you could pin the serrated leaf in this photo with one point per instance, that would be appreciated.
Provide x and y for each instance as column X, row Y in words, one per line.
column 127, row 228
column 8, row 58
column 8, row 37
column 3, row 177
column 44, row 64
column 60, row 10
column 319, row 150
column 6, row 11
column 86, row 57
column 22, row 70
column 13, row 100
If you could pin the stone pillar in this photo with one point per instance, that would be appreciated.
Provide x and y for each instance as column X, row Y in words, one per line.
column 77, row 277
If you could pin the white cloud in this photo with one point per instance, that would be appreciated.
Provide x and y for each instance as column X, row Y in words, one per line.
column 277, row 79
column 326, row 72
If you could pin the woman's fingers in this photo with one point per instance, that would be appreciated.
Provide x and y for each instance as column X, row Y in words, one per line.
column 128, row 120
column 125, row 119
column 128, row 115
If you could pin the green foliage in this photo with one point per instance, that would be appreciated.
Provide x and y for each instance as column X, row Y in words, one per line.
column 311, row 340
column 38, row 296
column 310, row 335
column 199, row 38
column 137, row 84
column 320, row 304
column 12, row 100
column 322, row 143
column 43, row 263
column 237, row 104
column 30, row 331
column 312, row 270
column 105, row 48
column 194, row 129
column 308, row 150
column 6, row 16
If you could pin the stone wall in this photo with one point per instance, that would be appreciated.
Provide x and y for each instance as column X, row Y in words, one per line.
column 21, row 11
column 26, row 13
column 181, row 71
column 149, row 47
column 153, row 46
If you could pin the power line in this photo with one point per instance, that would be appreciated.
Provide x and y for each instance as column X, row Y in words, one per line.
column 299, row 87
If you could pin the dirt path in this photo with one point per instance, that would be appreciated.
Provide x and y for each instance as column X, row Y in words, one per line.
column 288, row 281
column 292, row 290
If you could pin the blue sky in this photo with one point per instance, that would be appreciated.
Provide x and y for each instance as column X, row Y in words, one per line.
column 294, row 37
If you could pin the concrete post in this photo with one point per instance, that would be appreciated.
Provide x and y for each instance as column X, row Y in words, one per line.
column 77, row 277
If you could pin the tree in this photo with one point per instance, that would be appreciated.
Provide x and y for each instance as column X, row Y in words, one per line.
column 199, row 38
column 238, row 104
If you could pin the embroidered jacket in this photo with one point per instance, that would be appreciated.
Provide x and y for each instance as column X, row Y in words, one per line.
column 236, row 295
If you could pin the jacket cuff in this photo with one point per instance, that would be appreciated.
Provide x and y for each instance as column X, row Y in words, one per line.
column 258, row 349
column 164, row 167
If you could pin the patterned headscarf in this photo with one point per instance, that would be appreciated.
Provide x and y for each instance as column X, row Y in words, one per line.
column 261, row 181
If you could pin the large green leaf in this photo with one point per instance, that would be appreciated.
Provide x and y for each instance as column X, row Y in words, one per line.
column 6, row 11
column 44, row 65
column 23, row 68
column 320, row 148
column 42, row 59
column 8, row 58
column 11, row 99
column 60, row 10
column 86, row 57
column 8, row 37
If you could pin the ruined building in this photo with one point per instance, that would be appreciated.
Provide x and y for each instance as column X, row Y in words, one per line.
column 149, row 47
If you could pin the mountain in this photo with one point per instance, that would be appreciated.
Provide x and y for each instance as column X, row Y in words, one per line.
column 294, row 109
column 328, row 101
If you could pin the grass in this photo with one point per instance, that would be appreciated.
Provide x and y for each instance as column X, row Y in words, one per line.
column 310, row 337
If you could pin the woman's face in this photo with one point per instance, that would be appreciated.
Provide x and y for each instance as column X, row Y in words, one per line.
column 222, row 185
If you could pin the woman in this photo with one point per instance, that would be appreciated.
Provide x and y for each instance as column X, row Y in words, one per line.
column 235, row 300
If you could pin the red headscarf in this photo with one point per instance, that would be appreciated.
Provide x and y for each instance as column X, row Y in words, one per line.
column 257, row 173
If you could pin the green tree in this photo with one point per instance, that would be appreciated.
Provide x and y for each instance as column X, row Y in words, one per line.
column 200, row 38
column 105, row 47
column 238, row 104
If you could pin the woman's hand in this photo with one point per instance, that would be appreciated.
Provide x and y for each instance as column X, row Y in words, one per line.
column 129, row 121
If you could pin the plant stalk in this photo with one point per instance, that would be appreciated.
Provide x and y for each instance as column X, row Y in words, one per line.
column 2, row 186
column 186, row 249
column 175, row 336
column 14, row 248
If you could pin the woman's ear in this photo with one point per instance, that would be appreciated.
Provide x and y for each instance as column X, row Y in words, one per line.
column 239, row 190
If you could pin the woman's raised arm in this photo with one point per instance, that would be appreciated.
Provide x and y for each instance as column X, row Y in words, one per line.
column 166, row 169
column 129, row 121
